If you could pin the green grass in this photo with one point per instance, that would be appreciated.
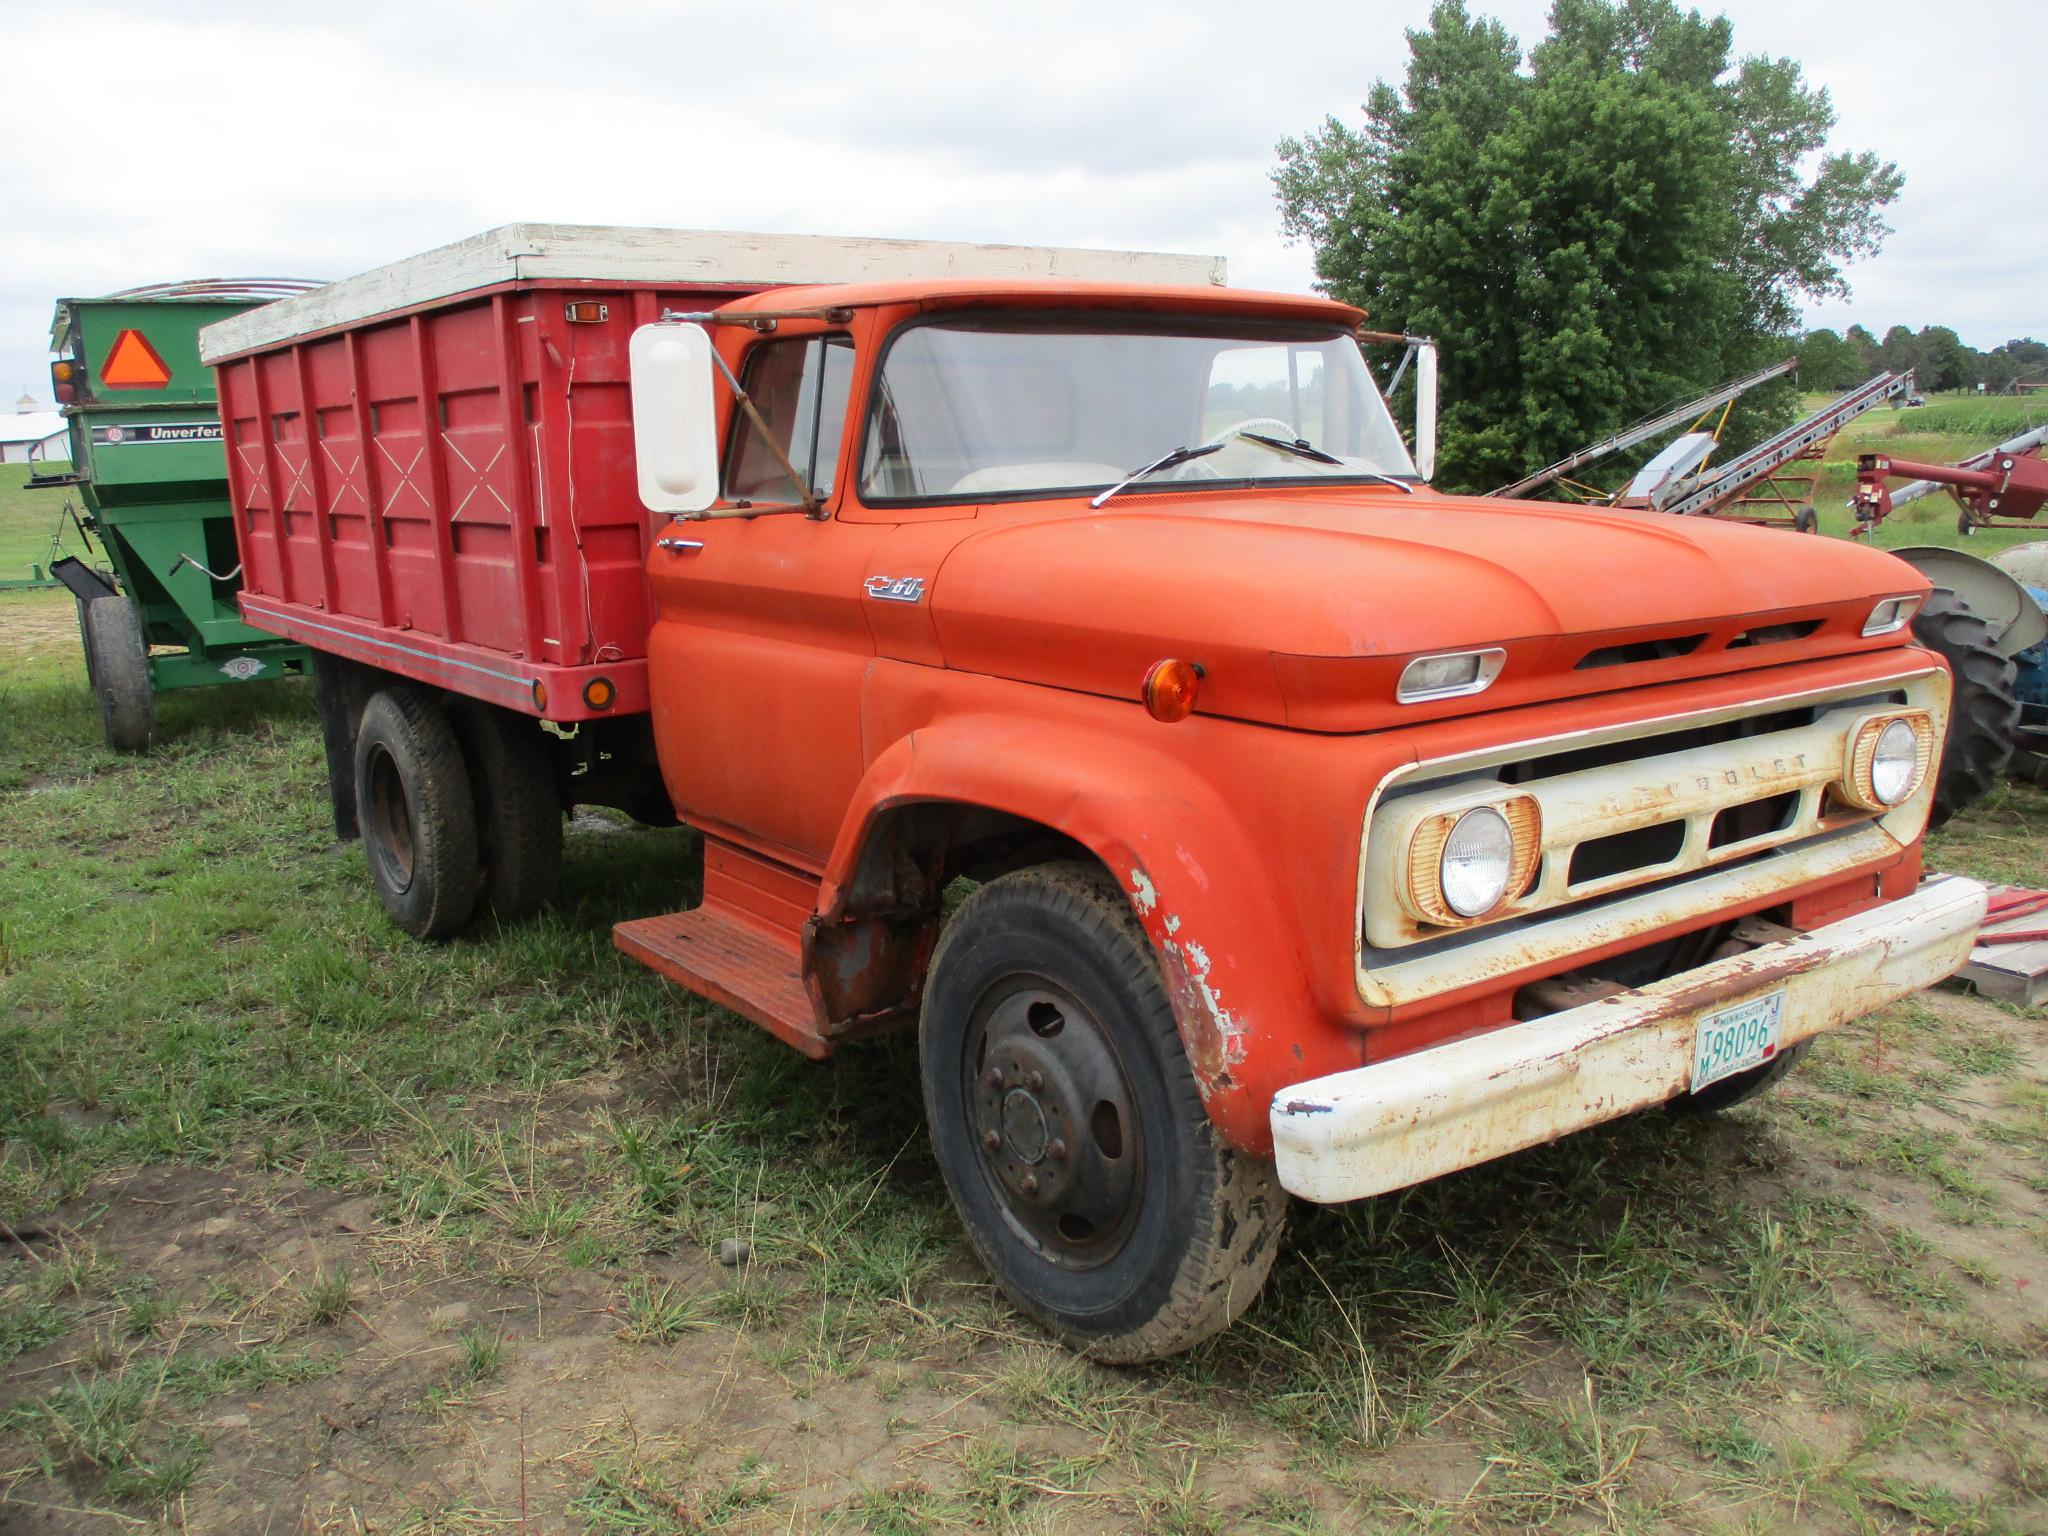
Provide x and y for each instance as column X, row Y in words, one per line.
column 31, row 520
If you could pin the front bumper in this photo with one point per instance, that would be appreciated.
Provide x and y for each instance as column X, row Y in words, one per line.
column 1451, row 1106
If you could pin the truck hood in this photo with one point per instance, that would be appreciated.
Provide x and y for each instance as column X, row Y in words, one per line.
column 1302, row 607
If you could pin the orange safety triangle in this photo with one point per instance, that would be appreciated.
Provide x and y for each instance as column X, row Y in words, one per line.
column 132, row 363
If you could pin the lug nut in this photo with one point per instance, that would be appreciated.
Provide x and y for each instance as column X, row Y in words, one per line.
column 991, row 1140
column 1035, row 1081
column 1057, row 1151
column 992, row 1078
column 1030, row 1184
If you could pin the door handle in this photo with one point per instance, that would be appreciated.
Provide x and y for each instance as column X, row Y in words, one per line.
column 678, row 546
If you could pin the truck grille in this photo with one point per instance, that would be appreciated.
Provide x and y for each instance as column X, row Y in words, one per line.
column 1663, row 819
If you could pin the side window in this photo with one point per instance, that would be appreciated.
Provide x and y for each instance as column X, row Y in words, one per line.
column 800, row 388
column 1259, row 382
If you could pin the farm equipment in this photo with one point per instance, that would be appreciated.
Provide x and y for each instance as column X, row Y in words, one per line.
column 1694, row 411
column 146, row 458
column 2002, row 487
column 1327, row 833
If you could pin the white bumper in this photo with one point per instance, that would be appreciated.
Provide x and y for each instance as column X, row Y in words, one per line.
column 1399, row 1122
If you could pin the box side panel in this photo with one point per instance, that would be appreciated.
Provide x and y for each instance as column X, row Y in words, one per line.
column 458, row 477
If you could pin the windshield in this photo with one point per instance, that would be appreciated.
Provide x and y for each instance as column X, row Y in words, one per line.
column 986, row 407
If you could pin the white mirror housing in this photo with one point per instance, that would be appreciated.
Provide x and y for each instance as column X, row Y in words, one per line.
column 675, row 417
column 1425, row 410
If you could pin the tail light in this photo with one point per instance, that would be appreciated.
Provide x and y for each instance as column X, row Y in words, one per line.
column 66, row 375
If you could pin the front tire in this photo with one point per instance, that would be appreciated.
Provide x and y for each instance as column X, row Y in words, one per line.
column 1984, row 710
column 1069, row 1129
column 418, row 819
column 117, row 664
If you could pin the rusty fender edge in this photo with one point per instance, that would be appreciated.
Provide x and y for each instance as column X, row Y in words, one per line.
column 1395, row 1123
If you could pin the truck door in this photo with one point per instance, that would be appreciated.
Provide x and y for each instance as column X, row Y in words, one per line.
column 759, row 641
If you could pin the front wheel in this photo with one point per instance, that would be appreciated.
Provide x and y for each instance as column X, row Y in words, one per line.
column 1069, row 1128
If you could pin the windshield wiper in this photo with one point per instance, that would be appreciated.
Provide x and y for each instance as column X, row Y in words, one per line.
column 1164, row 461
column 1300, row 447
column 1307, row 450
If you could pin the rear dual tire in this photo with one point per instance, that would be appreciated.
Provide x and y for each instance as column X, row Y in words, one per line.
column 457, row 811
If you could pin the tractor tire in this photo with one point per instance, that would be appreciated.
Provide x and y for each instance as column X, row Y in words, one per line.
column 1741, row 1087
column 1070, row 1130
column 1806, row 520
column 117, row 663
column 1984, row 709
column 518, row 808
column 417, row 817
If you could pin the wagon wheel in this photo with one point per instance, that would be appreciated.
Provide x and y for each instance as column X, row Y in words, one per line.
column 117, row 665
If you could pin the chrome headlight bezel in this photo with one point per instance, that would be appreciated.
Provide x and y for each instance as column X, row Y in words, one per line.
column 1859, row 783
column 1427, row 892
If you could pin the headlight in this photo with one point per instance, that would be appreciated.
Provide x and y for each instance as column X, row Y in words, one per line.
column 1478, row 857
column 1465, row 865
column 1889, row 756
column 1891, row 615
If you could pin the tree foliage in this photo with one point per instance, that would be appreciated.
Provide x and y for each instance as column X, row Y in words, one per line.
column 1939, row 358
column 1626, row 217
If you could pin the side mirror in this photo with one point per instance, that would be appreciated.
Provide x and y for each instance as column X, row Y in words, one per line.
column 1425, row 410
column 675, row 417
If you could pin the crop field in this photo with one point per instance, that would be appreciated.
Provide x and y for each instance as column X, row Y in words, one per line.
column 310, row 1228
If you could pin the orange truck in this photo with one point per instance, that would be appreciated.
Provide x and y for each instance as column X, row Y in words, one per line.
column 1065, row 654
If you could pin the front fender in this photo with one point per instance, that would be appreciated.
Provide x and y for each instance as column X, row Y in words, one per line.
column 1197, row 879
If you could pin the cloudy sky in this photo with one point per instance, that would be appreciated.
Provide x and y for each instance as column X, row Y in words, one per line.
column 146, row 141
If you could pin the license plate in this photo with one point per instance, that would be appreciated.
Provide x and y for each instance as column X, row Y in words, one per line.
column 1736, row 1039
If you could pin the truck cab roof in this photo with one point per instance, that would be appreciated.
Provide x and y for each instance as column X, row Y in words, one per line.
column 1050, row 292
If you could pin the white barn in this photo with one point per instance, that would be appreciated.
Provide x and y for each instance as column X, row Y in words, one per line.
column 31, row 433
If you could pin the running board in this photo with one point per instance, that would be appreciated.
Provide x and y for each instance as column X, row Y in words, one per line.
column 742, row 947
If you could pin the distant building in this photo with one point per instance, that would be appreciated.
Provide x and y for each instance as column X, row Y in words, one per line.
column 31, row 434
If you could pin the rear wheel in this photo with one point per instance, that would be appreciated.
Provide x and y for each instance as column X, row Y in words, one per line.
column 1984, row 709
column 1806, row 520
column 518, row 809
column 117, row 663
column 417, row 816
column 1070, row 1130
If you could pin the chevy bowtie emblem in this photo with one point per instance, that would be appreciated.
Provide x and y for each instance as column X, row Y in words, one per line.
column 896, row 589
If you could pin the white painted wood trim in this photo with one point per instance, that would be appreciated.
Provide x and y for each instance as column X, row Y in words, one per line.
column 622, row 254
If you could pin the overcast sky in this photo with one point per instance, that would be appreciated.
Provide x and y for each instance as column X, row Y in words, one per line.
column 144, row 142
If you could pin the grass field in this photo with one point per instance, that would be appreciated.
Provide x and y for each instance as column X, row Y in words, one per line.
column 30, row 520
column 311, row 1228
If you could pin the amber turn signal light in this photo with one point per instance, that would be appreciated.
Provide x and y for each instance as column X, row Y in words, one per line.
column 599, row 693
column 1170, row 689
column 540, row 695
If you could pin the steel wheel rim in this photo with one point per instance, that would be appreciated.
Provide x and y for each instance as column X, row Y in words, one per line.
column 390, row 820
column 1056, row 1132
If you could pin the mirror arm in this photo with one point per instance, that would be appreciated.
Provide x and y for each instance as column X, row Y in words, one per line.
column 807, row 502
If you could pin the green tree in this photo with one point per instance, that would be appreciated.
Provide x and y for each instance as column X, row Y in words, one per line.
column 1943, row 361
column 1620, row 223
column 1826, row 361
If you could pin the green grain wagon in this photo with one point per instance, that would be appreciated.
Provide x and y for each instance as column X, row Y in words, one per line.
column 148, row 459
